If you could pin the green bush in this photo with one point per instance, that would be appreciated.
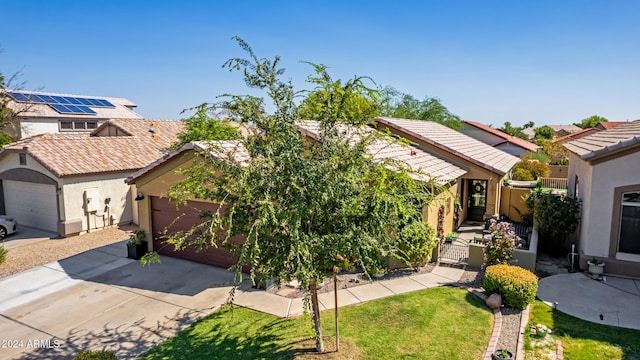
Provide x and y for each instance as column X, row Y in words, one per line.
column 522, row 175
column 499, row 249
column 3, row 254
column 96, row 355
column 415, row 243
column 517, row 286
column 534, row 167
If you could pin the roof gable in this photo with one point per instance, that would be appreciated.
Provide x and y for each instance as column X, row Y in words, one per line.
column 453, row 142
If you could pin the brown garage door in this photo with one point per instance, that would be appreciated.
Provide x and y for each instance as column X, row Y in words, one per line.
column 164, row 213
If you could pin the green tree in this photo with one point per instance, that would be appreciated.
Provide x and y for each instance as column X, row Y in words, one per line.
column 529, row 124
column 590, row 122
column 530, row 170
column 200, row 126
column 557, row 217
column 545, row 132
column 513, row 131
column 401, row 105
column 306, row 208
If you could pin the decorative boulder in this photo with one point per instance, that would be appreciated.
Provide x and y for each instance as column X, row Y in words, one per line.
column 494, row 301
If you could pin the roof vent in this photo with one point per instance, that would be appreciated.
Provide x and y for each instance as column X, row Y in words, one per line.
column 414, row 153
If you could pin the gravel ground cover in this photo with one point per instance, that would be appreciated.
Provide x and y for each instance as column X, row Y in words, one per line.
column 28, row 256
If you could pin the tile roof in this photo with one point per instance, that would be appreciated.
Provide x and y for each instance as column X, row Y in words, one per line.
column 214, row 148
column 577, row 135
column 509, row 138
column 123, row 108
column 417, row 159
column 606, row 125
column 607, row 142
column 162, row 132
column 66, row 154
column 453, row 142
column 568, row 128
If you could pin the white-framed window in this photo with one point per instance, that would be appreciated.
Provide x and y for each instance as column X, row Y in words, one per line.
column 629, row 241
column 78, row 125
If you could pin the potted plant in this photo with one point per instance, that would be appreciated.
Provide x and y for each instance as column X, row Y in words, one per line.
column 502, row 354
column 596, row 267
column 137, row 245
column 450, row 237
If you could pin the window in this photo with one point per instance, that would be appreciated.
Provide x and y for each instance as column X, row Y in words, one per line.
column 630, row 223
column 78, row 125
column 23, row 159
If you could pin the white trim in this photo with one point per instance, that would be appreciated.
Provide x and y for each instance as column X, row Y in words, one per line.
column 627, row 257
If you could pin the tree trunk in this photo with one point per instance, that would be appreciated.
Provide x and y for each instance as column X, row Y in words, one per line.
column 335, row 300
column 316, row 317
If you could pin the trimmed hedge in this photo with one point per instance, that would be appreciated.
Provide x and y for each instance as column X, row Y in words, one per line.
column 517, row 286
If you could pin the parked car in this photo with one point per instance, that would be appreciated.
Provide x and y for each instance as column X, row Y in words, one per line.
column 8, row 226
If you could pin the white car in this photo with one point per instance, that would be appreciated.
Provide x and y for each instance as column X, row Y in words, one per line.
column 8, row 226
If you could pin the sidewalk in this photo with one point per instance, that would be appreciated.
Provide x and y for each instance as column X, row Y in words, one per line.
column 273, row 304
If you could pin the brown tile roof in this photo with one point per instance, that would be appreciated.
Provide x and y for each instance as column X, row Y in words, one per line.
column 607, row 142
column 606, row 125
column 508, row 138
column 161, row 132
column 67, row 154
column 453, row 142
column 417, row 159
column 214, row 148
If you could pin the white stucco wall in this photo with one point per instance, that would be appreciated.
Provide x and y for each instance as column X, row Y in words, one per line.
column 596, row 185
column 108, row 186
column 480, row 135
column 31, row 127
column 512, row 149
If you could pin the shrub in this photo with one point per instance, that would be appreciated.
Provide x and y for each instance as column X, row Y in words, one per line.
column 3, row 254
column 521, row 175
column 557, row 218
column 534, row 167
column 517, row 286
column 499, row 249
column 96, row 355
column 416, row 242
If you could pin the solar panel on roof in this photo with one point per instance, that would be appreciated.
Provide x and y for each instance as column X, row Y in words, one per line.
column 63, row 104
column 19, row 96
column 72, row 109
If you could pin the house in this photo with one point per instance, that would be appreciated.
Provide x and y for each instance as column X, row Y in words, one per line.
column 498, row 139
column 40, row 112
column 479, row 189
column 560, row 130
column 604, row 172
column 606, row 125
column 70, row 183
column 156, row 212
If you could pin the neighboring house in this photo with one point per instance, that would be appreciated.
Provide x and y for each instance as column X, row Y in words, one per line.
column 72, row 183
column 560, row 130
column 40, row 112
column 588, row 131
column 604, row 172
column 498, row 139
column 479, row 189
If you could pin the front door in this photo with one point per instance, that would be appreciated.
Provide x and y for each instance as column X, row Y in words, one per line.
column 477, row 200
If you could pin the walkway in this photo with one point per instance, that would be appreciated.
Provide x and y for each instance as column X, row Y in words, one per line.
column 615, row 301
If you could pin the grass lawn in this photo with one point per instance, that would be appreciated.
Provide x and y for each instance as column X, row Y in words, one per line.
column 440, row 323
column 584, row 340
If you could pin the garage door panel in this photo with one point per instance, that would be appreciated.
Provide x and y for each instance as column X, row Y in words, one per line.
column 164, row 214
column 34, row 205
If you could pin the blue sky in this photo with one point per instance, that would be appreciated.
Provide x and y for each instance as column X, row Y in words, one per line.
column 551, row 62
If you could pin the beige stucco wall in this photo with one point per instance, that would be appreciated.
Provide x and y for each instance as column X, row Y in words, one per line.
column 430, row 213
column 108, row 186
column 511, row 204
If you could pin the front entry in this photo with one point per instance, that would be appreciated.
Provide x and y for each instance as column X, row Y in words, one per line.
column 477, row 201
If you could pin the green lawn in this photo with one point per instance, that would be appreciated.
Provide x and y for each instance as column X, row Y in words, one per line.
column 440, row 323
column 583, row 340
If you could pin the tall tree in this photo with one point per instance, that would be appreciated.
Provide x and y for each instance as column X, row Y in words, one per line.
column 529, row 124
column 201, row 126
column 306, row 208
column 513, row 131
column 401, row 105
column 590, row 122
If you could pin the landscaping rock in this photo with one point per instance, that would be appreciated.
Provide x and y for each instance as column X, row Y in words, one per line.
column 494, row 301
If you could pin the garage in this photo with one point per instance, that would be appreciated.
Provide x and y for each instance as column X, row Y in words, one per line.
column 31, row 204
column 164, row 214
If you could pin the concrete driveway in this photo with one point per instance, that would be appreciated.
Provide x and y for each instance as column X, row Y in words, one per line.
column 101, row 300
column 26, row 236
